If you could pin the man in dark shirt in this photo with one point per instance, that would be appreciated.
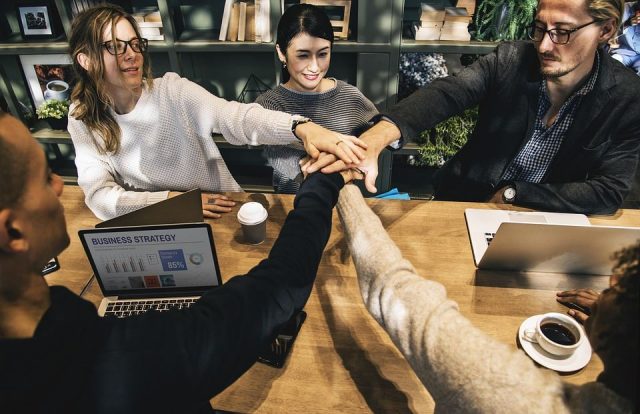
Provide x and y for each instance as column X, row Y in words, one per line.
column 57, row 355
column 559, row 119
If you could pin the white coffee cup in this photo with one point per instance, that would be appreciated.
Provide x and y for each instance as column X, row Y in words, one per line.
column 556, row 333
column 253, row 218
column 57, row 89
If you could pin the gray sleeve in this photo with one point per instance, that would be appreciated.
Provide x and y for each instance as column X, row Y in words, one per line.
column 463, row 369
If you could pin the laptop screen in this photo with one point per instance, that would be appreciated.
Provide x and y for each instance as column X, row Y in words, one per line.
column 153, row 260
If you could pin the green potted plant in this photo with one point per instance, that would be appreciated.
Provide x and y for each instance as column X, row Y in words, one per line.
column 54, row 112
column 504, row 19
column 440, row 143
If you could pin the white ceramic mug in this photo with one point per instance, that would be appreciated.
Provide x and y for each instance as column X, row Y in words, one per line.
column 57, row 89
column 537, row 335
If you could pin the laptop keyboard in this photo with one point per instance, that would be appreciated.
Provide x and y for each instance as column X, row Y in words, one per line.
column 124, row 308
column 489, row 237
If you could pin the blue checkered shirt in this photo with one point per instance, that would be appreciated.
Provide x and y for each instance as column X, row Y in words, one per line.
column 535, row 157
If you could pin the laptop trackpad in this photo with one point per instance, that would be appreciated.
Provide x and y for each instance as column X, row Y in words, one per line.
column 517, row 217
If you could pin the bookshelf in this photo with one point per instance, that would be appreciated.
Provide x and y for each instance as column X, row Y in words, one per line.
column 369, row 59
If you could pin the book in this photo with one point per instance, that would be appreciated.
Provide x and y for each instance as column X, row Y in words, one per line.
column 456, row 14
column 258, row 21
column 242, row 21
column 452, row 30
column 250, row 26
column 263, row 22
column 150, row 26
column 153, row 17
column 430, row 31
column 432, row 13
column 470, row 5
column 226, row 17
column 232, row 34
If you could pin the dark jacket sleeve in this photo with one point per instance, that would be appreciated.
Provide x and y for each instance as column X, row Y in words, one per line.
column 177, row 361
column 243, row 315
column 448, row 96
column 601, row 192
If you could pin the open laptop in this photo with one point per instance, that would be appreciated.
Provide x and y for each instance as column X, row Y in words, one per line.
column 544, row 242
column 151, row 267
column 183, row 208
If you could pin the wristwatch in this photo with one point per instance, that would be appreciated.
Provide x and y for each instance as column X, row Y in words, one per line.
column 297, row 120
column 509, row 194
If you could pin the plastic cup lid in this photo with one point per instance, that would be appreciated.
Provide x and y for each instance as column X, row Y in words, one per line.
column 252, row 213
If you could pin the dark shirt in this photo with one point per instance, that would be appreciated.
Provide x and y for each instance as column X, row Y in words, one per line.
column 534, row 158
column 174, row 361
column 594, row 167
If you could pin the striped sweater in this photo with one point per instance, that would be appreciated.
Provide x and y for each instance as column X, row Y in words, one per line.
column 342, row 109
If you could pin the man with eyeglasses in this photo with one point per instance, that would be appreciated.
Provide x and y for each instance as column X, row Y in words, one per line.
column 559, row 120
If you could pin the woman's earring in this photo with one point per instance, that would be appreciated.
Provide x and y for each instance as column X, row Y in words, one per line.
column 284, row 64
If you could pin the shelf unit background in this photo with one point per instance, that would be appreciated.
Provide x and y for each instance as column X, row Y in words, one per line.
column 369, row 59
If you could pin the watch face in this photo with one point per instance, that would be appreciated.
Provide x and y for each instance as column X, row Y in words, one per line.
column 509, row 194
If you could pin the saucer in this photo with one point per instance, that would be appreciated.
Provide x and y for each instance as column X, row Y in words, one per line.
column 573, row 362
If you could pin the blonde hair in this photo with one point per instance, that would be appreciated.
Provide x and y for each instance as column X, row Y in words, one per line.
column 93, row 106
column 606, row 9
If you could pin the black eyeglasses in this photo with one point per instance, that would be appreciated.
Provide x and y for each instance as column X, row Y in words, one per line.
column 119, row 47
column 557, row 36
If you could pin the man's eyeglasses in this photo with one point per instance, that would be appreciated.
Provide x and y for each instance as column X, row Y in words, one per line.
column 119, row 47
column 557, row 36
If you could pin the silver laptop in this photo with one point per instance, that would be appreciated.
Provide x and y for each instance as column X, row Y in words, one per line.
column 159, row 267
column 544, row 242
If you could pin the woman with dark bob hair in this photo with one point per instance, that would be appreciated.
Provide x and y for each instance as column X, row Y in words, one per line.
column 303, row 45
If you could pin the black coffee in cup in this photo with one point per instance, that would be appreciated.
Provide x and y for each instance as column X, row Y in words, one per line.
column 558, row 333
column 57, row 87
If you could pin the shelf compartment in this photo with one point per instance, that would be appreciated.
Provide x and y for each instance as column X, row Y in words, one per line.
column 447, row 46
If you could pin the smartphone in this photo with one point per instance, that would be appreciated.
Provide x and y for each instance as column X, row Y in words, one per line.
column 577, row 307
column 51, row 266
column 275, row 354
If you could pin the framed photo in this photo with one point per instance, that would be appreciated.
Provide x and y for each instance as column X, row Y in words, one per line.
column 36, row 20
column 48, row 76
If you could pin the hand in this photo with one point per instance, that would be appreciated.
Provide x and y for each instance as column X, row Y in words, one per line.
column 497, row 197
column 584, row 298
column 350, row 175
column 317, row 139
column 378, row 137
column 213, row 204
column 347, row 175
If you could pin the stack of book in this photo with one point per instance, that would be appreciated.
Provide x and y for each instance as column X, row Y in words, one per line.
column 246, row 21
column 456, row 24
column 150, row 23
column 431, row 19
column 470, row 5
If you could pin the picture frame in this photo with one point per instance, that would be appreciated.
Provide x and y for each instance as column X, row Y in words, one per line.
column 36, row 20
column 48, row 76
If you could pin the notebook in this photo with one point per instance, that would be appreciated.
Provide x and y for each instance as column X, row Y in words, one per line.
column 158, row 267
column 183, row 208
column 544, row 242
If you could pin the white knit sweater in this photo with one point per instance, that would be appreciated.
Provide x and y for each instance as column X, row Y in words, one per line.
column 464, row 370
column 166, row 145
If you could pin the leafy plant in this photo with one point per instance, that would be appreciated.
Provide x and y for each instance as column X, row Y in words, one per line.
column 439, row 144
column 504, row 19
column 53, row 109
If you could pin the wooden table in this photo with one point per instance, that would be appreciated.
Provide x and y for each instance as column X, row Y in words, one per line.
column 342, row 360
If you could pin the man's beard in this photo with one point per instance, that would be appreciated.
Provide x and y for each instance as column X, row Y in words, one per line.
column 558, row 72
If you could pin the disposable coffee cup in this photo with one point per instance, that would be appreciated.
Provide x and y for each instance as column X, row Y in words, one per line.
column 556, row 333
column 253, row 219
